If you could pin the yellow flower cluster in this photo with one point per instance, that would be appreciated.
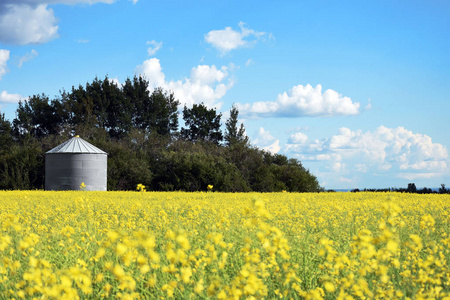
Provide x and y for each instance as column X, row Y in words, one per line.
column 141, row 188
column 91, row 245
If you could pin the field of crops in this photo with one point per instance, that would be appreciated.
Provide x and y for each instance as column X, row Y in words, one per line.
column 145, row 245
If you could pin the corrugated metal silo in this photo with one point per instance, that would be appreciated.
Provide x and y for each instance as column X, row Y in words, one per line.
column 73, row 162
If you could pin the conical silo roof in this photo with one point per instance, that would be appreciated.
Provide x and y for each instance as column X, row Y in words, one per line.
column 76, row 145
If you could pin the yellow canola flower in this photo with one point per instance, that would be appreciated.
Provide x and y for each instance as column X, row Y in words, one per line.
column 127, row 245
column 427, row 221
column 100, row 253
column 82, row 186
column 186, row 273
column 329, row 287
column 99, row 277
column 141, row 188
column 118, row 272
column 151, row 282
column 183, row 241
column 121, row 249
column 392, row 246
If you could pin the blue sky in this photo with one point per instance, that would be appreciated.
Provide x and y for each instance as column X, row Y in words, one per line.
column 356, row 90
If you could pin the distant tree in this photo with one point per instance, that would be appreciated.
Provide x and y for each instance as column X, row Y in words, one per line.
column 425, row 190
column 443, row 190
column 202, row 124
column 233, row 135
column 411, row 188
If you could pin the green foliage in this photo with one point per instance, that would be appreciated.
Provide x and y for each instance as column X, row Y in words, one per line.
column 139, row 131
column 155, row 112
column 233, row 135
column 202, row 124
column 162, row 118
column 6, row 139
column 37, row 117
column 126, row 168
column 22, row 167
column 192, row 167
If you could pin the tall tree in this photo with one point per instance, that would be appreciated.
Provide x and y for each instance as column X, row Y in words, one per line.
column 163, row 112
column 78, row 109
column 233, row 135
column 37, row 117
column 137, row 93
column 202, row 124
column 119, row 109
column 100, row 101
column 156, row 112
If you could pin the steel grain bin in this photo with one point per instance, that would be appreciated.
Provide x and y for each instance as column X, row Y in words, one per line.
column 73, row 162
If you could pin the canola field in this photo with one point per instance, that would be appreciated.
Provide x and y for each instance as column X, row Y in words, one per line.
column 148, row 245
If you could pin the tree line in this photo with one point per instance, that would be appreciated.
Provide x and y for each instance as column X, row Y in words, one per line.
column 410, row 189
column 139, row 129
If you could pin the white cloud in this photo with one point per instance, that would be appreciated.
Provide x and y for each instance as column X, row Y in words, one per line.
column 29, row 56
column 134, row 1
column 346, row 180
column 67, row 2
column 228, row 39
column 154, row 47
column 266, row 141
column 249, row 62
column 274, row 147
column 206, row 84
column 9, row 98
column 25, row 24
column 386, row 151
column 151, row 69
column 298, row 138
column 208, row 74
column 32, row 21
column 338, row 167
column 4, row 57
column 303, row 101
column 415, row 176
column 361, row 168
